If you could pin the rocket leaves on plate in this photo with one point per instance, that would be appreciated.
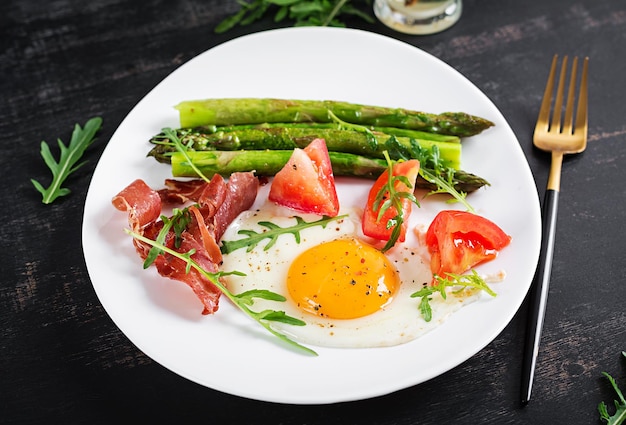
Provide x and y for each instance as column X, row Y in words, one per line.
column 82, row 138
column 253, row 238
column 457, row 282
column 242, row 301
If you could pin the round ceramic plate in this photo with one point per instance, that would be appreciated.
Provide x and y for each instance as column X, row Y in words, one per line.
column 226, row 351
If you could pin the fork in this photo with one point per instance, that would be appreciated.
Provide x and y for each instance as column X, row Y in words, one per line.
column 559, row 135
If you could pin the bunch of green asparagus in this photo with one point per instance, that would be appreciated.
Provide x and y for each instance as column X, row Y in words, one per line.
column 223, row 136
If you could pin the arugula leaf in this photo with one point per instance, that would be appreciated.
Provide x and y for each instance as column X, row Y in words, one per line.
column 620, row 405
column 253, row 238
column 300, row 12
column 432, row 167
column 249, row 296
column 280, row 316
column 179, row 221
column 82, row 138
column 242, row 301
column 387, row 197
column 445, row 186
column 371, row 138
column 171, row 134
column 453, row 280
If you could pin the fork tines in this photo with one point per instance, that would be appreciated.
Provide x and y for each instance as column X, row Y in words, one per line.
column 567, row 116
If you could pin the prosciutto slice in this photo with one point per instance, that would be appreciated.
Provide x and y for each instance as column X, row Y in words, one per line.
column 142, row 204
column 181, row 191
column 215, row 205
column 241, row 194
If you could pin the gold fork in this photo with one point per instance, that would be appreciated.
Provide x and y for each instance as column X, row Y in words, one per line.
column 559, row 135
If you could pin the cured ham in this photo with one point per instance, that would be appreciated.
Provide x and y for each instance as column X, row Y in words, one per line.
column 141, row 202
column 239, row 197
column 174, row 268
column 215, row 205
column 181, row 191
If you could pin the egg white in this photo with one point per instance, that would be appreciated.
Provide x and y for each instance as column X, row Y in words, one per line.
column 398, row 322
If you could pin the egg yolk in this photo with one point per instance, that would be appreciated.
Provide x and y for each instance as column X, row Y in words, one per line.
column 342, row 279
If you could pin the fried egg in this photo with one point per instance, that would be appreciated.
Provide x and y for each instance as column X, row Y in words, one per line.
column 334, row 279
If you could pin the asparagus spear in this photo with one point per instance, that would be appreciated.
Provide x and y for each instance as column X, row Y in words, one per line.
column 194, row 113
column 417, row 134
column 404, row 132
column 269, row 162
column 370, row 144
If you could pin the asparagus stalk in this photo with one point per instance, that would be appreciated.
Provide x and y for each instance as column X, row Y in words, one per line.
column 416, row 134
column 269, row 162
column 194, row 113
column 404, row 132
column 370, row 144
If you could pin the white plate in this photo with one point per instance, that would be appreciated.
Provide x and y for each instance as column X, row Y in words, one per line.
column 224, row 352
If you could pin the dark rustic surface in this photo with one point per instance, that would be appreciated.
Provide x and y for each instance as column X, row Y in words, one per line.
column 62, row 360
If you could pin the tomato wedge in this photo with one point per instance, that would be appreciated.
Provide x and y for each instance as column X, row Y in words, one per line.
column 306, row 183
column 459, row 240
column 371, row 225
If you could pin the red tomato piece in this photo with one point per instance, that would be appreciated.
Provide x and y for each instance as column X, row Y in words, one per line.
column 371, row 225
column 306, row 183
column 459, row 240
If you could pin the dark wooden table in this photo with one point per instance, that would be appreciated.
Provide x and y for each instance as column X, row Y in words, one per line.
column 62, row 360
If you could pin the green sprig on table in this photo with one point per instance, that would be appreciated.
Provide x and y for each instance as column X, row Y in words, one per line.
column 300, row 12
column 619, row 417
column 82, row 138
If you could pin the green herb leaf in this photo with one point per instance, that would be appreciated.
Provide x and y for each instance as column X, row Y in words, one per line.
column 372, row 140
column 249, row 296
column 432, row 167
column 300, row 12
column 425, row 309
column 456, row 281
column 82, row 138
column 179, row 221
column 173, row 137
column 242, row 301
column 619, row 417
column 280, row 316
column 388, row 197
column 274, row 231
column 445, row 186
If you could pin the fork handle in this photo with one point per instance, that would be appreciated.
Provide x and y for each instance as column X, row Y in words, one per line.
column 539, row 292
